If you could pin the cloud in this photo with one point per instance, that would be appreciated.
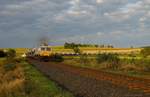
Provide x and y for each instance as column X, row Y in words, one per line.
column 120, row 22
column 126, row 12
column 99, row 1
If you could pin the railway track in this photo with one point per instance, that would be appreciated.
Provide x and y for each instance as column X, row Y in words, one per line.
column 92, row 83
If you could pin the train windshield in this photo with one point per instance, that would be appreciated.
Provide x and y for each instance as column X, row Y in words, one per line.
column 42, row 49
column 45, row 49
column 48, row 49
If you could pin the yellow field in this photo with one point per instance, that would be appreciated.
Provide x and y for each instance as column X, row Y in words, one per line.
column 86, row 50
column 21, row 51
column 94, row 50
column 111, row 50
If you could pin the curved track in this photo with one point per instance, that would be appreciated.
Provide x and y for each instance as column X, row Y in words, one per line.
column 92, row 83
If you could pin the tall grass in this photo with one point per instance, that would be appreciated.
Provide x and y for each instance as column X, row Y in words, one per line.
column 11, row 80
column 113, row 63
column 20, row 79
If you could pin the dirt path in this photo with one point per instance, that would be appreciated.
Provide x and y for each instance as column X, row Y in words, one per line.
column 91, row 83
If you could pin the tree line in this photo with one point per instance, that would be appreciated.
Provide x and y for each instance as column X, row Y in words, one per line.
column 74, row 45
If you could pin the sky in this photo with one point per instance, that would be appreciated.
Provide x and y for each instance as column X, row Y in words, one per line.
column 122, row 23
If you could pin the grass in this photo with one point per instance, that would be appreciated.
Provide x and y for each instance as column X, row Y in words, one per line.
column 90, row 64
column 145, row 75
column 43, row 87
column 12, row 80
column 24, row 80
column 136, row 70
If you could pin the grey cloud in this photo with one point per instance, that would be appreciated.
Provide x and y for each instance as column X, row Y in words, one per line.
column 24, row 21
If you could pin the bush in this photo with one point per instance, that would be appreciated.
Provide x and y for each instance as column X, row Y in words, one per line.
column 107, row 57
column 11, row 53
column 56, row 58
column 2, row 54
column 112, row 60
column 145, row 63
column 84, row 59
column 76, row 50
column 147, row 68
column 145, row 51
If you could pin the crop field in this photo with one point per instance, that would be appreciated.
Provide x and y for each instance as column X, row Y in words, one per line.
column 86, row 50
column 20, row 51
column 96, row 50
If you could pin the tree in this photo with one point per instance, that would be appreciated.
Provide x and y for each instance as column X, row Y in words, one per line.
column 96, row 45
column 110, row 46
column 66, row 45
column 72, row 45
column 102, row 46
column 76, row 50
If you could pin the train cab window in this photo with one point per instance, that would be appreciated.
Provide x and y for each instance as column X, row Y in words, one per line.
column 42, row 49
column 48, row 49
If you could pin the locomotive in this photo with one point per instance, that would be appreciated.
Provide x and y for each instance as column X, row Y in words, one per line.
column 45, row 53
column 40, row 51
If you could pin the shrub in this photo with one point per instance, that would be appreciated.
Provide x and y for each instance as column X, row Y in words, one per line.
column 111, row 59
column 107, row 57
column 11, row 53
column 84, row 59
column 145, row 51
column 9, row 67
column 56, row 58
column 147, row 68
column 145, row 63
column 2, row 54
